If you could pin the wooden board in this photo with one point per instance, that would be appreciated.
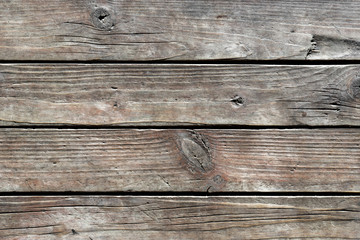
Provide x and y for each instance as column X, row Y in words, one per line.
column 185, row 94
column 85, row 120
column 204, row 160
column 179, row 30
column 212, row 218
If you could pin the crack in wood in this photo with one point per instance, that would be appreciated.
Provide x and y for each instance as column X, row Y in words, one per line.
column 331, row 46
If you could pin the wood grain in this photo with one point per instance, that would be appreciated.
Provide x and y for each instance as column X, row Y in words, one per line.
column 179, row 29
column 107, row 217
column 203, row 160
column 180, row 94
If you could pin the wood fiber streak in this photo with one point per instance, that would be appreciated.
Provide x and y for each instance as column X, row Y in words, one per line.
column 322, row 160
column 179, row 94
column 220, row 218
column 179, row 30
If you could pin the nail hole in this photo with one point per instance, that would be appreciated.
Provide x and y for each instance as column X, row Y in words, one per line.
column 237, row 100
column 103, row 16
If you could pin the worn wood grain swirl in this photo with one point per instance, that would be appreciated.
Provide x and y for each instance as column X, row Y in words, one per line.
column 179, row 30
column 180, row 94
column 220, row 218
column 204, row 160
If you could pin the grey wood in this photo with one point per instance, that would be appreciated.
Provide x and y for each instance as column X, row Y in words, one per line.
column 179, row 30
column 180, row 94
column 202, row 160
column 141, row 217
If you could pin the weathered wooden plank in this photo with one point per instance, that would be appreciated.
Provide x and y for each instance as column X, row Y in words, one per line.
column 323, row 160
column 107, row 217
column 140, row 94
column 179, row 29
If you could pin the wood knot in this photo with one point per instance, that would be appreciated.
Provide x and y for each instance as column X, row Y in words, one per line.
column 354, row 89
column 216, row 184
column 218, row 179
column 196, row 153
column 102, row 19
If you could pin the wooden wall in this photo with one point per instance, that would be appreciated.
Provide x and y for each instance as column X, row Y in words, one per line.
column 182, row 119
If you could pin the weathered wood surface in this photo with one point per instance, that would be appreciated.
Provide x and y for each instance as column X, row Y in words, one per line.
column 157, row 94
column 179, row 29
column 180, row 160
column 101, row 217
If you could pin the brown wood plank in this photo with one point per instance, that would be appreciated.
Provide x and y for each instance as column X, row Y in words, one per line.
column 181, row 94
column 140, row 217
column 322, row 160
column 179, row 29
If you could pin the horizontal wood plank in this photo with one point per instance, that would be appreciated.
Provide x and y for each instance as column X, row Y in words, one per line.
column 179, row 29
column 180, row 94
column 107, row 217
column 204, row 160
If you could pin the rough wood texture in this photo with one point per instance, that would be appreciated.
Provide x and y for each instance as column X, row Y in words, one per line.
column 156, row 94
column 212, row 218
column 179, row 29
column 180, row 160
